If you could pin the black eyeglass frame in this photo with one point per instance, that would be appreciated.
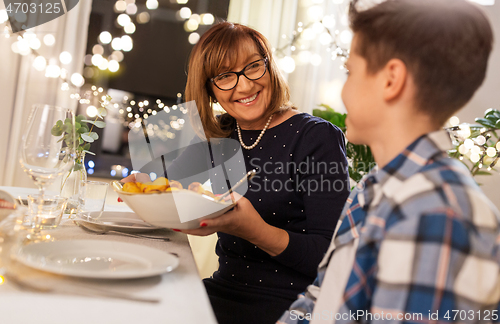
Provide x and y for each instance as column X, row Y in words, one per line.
column 242, row 72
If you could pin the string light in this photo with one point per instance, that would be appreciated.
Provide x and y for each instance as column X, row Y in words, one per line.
column 65, row 57
column 116, row 44
column 152, row 4
column 185, row 13
column 53, row 71
column 49, row 40
column 143, row 17
column 207, row 19
column 113, row 66
column 98, row 49
column 131, row 9
column 35, row 43
column 91, row 111
column 40, row 63
column 27, row 42
column 117, row 56
column 287, row 64
column 474, row 142
column 193, row 38
column 130, row 28
column 105, row 37
column 3, row 16
column 120, row 6
column 77, row 79
column 96, row 59
column 126, row 43
column 123, row 20
column 191, row 25
column 325, row 28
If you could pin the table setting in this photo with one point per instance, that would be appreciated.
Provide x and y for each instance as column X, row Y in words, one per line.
column 82, row 259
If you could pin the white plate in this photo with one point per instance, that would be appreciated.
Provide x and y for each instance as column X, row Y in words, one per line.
column 118, row 221
column 97, row 259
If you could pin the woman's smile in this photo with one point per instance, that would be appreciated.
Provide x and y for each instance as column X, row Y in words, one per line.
column 249, row 100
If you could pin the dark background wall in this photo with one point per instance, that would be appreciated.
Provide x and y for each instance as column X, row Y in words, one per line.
column 154, row 69
column 156, row 66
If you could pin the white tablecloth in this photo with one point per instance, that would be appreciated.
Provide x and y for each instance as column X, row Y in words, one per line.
column 183, row 297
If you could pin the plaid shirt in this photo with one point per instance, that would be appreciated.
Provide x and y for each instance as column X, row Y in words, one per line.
column 427, row 247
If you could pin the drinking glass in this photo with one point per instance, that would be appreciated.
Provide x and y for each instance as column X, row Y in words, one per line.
column 91, row 200
column 48, row 146
column 47, row 211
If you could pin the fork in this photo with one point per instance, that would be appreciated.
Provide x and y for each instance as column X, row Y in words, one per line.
column 82, row 290
column 95, row 230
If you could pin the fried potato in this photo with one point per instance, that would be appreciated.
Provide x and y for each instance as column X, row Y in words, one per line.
column 196, row 187
column 154, row 188
column 131, row 187
column 161, row 181
column 175, row 184
column 144, row 185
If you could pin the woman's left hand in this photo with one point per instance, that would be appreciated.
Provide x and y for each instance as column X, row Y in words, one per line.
column 242, row 221
column 245, row 222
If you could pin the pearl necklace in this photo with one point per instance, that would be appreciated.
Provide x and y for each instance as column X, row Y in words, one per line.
column 258, row 138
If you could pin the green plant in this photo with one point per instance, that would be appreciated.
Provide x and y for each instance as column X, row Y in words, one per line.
column 84, row 135
column 478, row 146
column 360, row 157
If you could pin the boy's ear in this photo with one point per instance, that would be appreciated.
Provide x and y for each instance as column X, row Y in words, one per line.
column 395, row 74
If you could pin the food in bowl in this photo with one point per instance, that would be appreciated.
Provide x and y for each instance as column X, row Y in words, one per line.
column 170, row 205
column 163, row 185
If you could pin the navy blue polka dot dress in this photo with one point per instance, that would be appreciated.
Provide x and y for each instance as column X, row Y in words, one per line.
column 301, row 186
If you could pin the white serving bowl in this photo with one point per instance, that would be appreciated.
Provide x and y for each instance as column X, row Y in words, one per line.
column 181, row 209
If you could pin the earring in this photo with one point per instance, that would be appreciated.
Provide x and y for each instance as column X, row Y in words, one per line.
column 215, row 100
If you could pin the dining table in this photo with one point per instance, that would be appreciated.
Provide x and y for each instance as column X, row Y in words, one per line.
column 180, row 294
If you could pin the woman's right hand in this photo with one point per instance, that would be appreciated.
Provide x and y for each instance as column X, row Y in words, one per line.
column 245, row 222
column 137, row 177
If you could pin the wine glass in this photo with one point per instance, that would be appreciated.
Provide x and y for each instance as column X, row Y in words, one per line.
column 48, row 145
column 47, row 151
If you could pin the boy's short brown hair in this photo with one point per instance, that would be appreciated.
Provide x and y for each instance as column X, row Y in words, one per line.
column 445, row 45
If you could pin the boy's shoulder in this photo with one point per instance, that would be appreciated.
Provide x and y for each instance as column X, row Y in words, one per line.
column 418, row 193
column 444, row 186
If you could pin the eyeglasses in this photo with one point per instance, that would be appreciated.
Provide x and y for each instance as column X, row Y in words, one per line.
column 253, row 71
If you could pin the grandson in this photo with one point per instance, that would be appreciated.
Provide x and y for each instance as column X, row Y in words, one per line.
column 417, row 241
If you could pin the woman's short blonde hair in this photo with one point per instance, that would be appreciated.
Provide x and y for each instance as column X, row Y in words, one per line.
column 217, row 46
